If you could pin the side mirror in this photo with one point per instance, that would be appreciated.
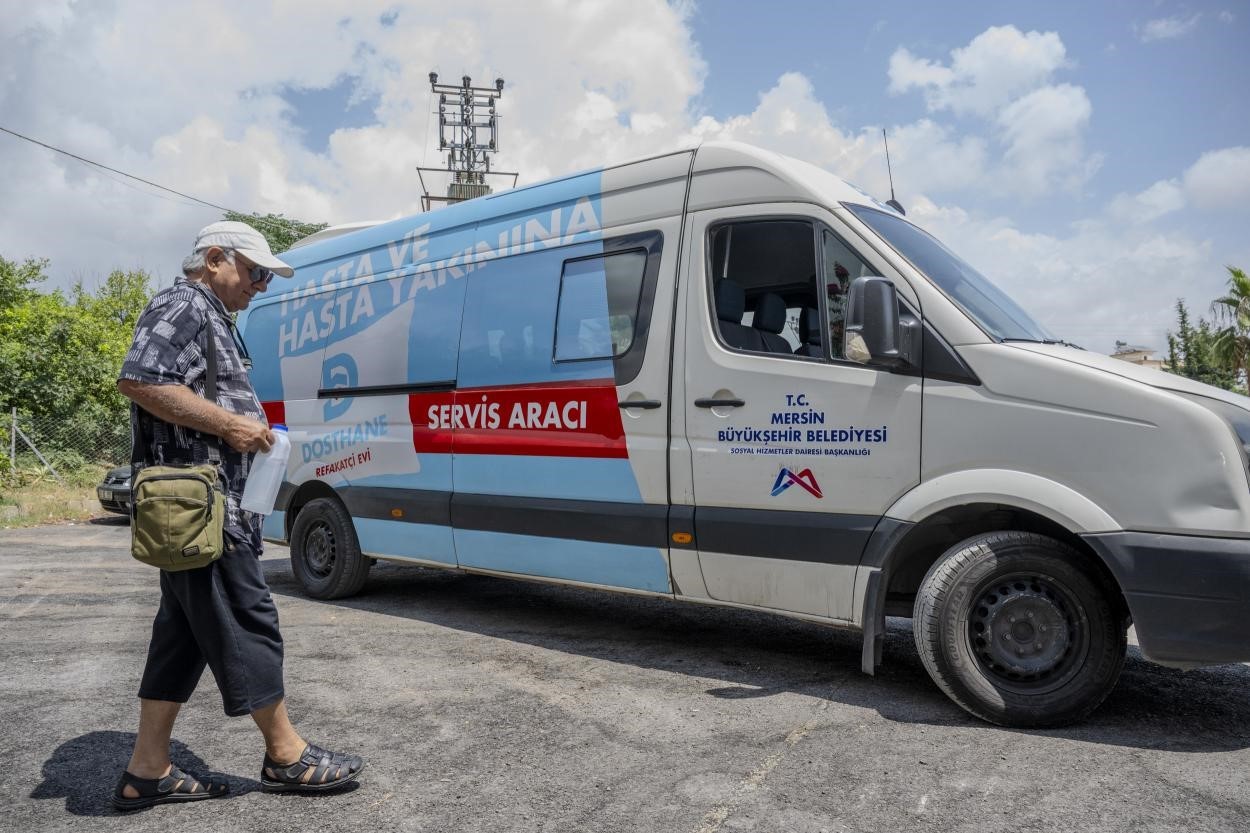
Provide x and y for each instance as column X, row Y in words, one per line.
column 874, row 335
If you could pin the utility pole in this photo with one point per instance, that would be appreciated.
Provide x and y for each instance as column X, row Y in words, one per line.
column 468, row 129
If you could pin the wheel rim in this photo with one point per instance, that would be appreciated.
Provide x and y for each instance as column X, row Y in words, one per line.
column 1028, row 632
column 320, row 550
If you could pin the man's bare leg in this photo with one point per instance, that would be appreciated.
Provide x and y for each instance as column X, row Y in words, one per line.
column 282, row 742
column 150, row 758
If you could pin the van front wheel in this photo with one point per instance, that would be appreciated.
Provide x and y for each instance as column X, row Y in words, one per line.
column 1016, row 630
column 325, row 553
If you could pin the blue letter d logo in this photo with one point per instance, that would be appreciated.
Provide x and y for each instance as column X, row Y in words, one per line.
column 338, row 372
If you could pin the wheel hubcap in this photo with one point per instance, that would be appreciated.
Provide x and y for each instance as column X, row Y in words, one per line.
column 319, row 550
column 1025, row 631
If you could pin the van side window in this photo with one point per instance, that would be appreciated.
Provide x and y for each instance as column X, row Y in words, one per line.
column 841, row 267
column 598, row 307
column 766, row 288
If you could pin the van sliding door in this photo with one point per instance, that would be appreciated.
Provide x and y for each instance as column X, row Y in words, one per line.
column 558, row 427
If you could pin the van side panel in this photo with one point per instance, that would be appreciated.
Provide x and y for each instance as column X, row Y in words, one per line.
column 359, row 336
column 544, row 482
column 451, row 287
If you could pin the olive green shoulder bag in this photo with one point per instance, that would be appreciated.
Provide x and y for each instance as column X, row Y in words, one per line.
column 177, row 512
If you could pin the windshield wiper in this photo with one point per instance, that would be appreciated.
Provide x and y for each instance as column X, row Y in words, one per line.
column 1045, row 341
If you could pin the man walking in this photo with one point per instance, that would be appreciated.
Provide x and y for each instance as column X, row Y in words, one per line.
column 221, row 615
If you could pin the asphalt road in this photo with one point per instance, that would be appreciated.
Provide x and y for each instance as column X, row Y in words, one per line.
column 491, row 705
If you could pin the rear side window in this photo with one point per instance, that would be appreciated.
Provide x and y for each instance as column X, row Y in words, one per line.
column 598, row 310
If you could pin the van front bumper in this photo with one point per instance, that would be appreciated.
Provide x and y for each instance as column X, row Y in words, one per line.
column 1189, row 596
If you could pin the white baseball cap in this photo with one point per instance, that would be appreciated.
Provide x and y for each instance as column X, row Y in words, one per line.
column 242, row 238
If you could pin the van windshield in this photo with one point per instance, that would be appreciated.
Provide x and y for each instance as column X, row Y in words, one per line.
column 988, row 305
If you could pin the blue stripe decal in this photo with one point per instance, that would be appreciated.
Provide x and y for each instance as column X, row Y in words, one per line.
column 611, row 565
column 435, row 475
column 405, row 540
column 572, row 478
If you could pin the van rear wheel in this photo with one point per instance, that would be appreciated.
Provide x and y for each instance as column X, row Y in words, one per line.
column 325, row 553
column 1017, row 631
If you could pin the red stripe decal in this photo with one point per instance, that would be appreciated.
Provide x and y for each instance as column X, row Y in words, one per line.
column 561, row 419
column 275, row 412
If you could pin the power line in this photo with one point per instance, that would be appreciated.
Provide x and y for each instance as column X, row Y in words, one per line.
column 287, row 225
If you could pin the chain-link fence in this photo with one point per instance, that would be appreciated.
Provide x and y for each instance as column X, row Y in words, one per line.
column 74, row 451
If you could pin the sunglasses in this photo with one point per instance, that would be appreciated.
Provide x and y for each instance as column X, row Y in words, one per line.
column 257, row 274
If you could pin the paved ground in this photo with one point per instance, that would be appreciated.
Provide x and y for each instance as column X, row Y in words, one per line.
column 485, row 704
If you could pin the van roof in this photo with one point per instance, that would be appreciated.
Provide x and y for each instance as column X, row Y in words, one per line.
column 334, row 231
column 720, row 164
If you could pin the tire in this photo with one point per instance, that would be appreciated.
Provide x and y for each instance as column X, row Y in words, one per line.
column 325, row 553
column 1017, row 630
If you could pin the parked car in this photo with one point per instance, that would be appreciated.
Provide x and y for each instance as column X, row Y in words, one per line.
column 114, row 490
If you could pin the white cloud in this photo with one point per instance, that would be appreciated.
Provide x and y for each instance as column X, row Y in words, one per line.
column 1220, row 179
column 1164, row 197
column 790, row 119
column 1006, row 77
column 1043, row 132
column 1166, row 28
column 1226, row 16
column 929, row 157
column 997, row 66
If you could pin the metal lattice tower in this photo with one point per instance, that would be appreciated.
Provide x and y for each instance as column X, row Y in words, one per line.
column 468, row 129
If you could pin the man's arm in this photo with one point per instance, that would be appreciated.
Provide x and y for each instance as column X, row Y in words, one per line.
column 180, row 405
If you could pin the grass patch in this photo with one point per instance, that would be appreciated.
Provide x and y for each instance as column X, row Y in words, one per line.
column 48, row 502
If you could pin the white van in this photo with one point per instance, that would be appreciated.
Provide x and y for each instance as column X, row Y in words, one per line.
column 728, row 377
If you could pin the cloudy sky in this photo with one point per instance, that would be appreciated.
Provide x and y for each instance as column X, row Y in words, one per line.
column 1093, row 159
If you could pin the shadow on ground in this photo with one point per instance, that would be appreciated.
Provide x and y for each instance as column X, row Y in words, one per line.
column 85, row 769
column 757, row 655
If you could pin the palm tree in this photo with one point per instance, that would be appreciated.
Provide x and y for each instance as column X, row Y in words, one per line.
column 1232, row 343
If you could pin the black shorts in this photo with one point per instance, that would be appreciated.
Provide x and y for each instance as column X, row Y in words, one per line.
column 221, row 616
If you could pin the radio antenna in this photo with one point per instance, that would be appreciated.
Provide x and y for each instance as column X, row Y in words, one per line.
column 893, row 203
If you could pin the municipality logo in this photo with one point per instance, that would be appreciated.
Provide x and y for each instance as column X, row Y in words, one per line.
column 805, row 478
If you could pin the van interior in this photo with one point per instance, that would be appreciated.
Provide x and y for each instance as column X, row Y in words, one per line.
column 769, row 292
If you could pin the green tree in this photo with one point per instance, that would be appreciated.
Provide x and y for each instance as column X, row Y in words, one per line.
column 280, row 231
column 1231, row 347
column 1191, row 351
column 59, row 359
column 17, row 280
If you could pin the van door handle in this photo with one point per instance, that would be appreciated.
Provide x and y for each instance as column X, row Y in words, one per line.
column 719, row 403
column 644, row 404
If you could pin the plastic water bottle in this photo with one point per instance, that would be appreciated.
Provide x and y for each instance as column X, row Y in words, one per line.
column 266, row 475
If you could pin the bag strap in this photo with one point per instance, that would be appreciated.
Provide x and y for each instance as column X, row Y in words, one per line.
column 210, row 387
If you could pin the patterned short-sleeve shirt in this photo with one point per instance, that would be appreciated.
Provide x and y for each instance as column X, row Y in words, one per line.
column 169, row 349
